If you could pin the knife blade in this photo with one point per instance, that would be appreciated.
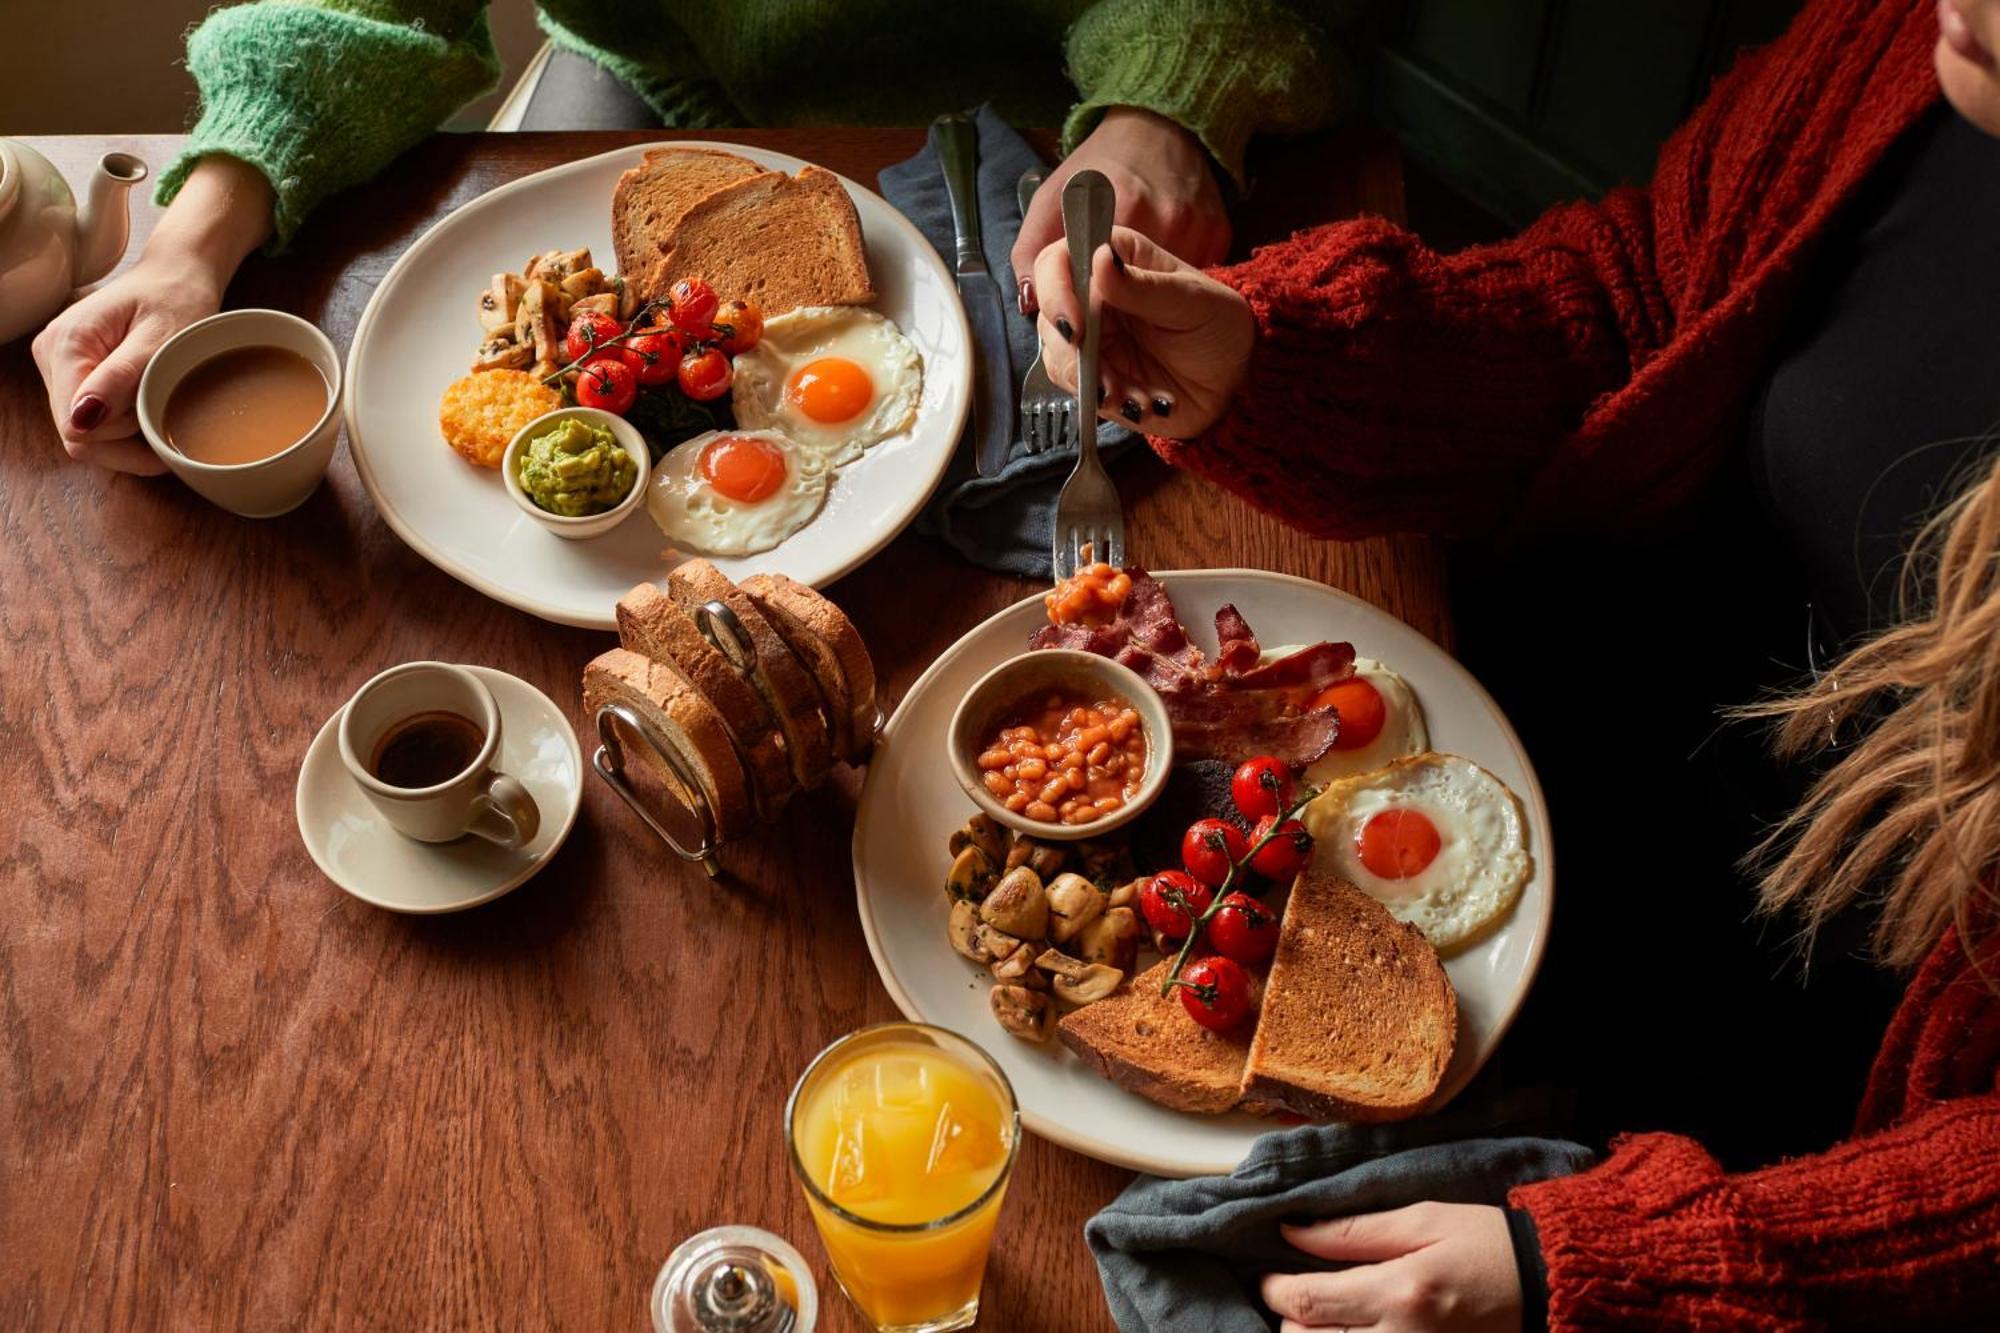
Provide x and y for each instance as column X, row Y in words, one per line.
column 993, row 406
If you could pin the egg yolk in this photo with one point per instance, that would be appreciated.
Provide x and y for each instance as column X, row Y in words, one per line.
column 1361, row 708
column 743, row 469
column 831, row 389
column 1397, row 843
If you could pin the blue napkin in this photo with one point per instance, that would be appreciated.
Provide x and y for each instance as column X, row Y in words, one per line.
column 1005, row 522
column 1186, row 1254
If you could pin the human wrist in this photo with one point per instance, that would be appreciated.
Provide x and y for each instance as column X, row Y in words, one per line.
column 220, row 215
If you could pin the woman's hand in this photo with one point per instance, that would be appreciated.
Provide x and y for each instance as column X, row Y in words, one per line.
column 1431, row 1266
column 1165, row 188
column 1176, row 342
column 92, row 354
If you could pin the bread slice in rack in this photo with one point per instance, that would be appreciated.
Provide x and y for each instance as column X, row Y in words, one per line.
column 826, row 641
column 1359, row 1019
column 1145, row 1043
column 780, row 241
column 676, row 714
column 651, row 198
column 653, row 624
column 786, row 684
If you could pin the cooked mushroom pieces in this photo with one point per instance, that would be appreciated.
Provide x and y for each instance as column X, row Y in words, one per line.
column 1074, row 902
column 964, row 929
column 972, row 876
column 1127, row 894
column 984, row 832
column 1044, row 858
column 499, row 303
column 1018, row 967
column 1112, row 939
column 1076, row 981
column 1025, row 1013
column 501, row 352
column 1018, row 905
column 994, row 943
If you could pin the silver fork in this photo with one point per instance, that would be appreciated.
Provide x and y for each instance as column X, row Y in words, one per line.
column 1088, row 513
column 1045, row 415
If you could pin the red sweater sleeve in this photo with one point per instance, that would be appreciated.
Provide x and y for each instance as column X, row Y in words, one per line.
column 1896, row 1228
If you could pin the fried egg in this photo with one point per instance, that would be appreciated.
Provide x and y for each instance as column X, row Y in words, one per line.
column 834, row 378
column 735, row 492
column 1435, row 838
column 1379, row 721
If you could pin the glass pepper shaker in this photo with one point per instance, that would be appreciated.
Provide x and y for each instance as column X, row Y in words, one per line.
column 734, row 1280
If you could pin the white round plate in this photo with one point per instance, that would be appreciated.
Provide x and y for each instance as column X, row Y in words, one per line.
column 357, row 849
column 910, row 805
column 418, row 334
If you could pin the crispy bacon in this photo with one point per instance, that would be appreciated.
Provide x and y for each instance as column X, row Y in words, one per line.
column 1231, row 708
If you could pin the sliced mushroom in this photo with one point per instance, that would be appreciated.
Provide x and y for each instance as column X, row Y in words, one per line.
column 1074, row 902
column 972, row 876
column 1018, row 968
column 1044, row 858
column 535, row 325
column 1025, row 1013
column 1017, row 905
column 584, row 282
column 628, row 298
column 1112, row 939
column 964, row 929
column 995, row 943
column 1097, row 981
column 984, row 832
column 1126, row 894
column 501, row 353
column 605, row 303
column 499, row 303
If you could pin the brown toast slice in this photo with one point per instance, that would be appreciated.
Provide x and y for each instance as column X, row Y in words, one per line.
column 826, row 640
column 1145, row 1042
column 780, row 241
column 651, row 198
column 675, row 712
column 1359, row 1019
column 785, row 683
column 653, row 624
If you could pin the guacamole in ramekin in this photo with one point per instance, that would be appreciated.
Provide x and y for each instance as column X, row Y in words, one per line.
column 575, row 469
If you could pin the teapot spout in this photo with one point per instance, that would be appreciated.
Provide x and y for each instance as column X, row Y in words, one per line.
column 105, row 222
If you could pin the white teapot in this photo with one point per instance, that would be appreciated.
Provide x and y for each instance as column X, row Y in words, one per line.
column 47, row 247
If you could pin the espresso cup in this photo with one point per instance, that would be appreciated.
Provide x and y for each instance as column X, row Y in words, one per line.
column 479, row 799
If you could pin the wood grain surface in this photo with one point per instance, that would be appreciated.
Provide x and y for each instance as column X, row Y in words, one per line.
column 232, row 1097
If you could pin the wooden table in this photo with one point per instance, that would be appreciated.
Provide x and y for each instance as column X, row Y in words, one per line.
column 232, row 1096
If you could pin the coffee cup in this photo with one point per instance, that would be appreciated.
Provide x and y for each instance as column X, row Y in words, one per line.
column 421, row 741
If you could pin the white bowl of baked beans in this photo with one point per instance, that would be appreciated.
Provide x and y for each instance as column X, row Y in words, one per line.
column 1060, row 744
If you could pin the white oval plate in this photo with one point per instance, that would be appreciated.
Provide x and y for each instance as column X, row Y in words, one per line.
column 909, row 806
column 418, row 333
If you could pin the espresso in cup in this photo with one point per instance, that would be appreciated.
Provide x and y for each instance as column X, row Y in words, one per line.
column 245, row 405
column 426, row 750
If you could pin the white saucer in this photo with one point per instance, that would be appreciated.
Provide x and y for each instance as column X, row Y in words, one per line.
column 358, row 850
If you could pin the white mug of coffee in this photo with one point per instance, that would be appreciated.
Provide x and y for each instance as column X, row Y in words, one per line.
column 421, row 740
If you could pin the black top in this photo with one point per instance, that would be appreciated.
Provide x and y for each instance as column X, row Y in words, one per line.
column 1663, row 1001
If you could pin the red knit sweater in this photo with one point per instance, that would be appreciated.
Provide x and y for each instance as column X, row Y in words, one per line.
column 1590, row 372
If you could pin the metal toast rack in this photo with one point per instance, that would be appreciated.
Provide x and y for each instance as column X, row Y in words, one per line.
column 720, row 626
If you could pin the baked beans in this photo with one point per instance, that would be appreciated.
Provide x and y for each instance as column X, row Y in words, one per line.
column 1066, row 760
column 1091, row 596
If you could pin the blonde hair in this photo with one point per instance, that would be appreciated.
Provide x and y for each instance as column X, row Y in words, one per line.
column 1908, row 818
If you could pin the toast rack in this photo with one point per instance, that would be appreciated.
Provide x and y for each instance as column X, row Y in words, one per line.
column 616, row 722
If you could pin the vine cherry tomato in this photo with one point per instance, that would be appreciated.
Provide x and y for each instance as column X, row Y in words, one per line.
column 692, row 307
column 1171, row 901
column 1286, row 854
column 1210, row 847
column 608, row 385
column 591, row 329
column 1244, row 930
column 657, row 356
column 740, row 325
column 1262, row 786
column 1216, row 992
column 704, row 375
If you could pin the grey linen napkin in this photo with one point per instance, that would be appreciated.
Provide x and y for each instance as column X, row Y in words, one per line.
column 1180, row 1255
column 1005, row 522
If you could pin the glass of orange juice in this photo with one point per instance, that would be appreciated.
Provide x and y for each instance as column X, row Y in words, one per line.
column 903, row 1136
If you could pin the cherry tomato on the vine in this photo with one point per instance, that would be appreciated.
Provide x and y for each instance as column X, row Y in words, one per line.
column 607, row 384
column 1286, row 854
column 1261, row 786
column 1216, row 992
column 693, row 307
column 740, row 325
column 1244, row 930
column 1210, row 847
column 1171, row 901
column 704, row 375
column 658, row 355
column 591, row 329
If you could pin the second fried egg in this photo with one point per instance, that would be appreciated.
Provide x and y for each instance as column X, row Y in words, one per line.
column 835, row 379
column 1380, row 721
column 736, row 492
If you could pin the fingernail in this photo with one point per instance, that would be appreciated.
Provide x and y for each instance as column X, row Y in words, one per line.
column 1063, row 327
column 1117, row 261
column 86, row 412
column 1027, row 296
column 1131, row 410
column 1100, row 395
column 1161, row 407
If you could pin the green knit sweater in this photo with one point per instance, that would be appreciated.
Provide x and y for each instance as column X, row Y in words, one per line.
column 321, row 94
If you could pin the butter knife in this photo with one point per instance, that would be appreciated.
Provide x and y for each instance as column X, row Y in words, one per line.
column 993, row 414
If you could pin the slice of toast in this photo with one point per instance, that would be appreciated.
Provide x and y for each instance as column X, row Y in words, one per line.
column 1145, row 1042
column 826, row 640
column 651, row 198
column 677, row 713
column 1359, row 1019
column 786, row 684
column 653, row 624
column 780, row 241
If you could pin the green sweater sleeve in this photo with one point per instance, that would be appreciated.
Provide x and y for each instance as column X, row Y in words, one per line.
column 1225, row 69
column 322, row 94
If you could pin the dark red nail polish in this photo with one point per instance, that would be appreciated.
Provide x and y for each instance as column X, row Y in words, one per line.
column 1027, row 296
column 1163, row 408
column 1063, row 327
column 1117, row 261
column 1131, row 410
column 86, row 412
column 1100, row 395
